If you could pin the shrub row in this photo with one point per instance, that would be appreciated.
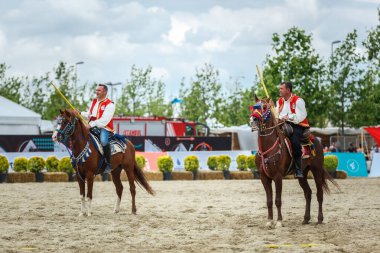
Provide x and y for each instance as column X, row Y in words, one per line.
column 164, row 163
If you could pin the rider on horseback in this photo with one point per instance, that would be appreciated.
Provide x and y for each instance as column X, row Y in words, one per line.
column 291, row 109
column 100, row 115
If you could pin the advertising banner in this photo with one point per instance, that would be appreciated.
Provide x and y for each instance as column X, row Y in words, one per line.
column 375, row 167
column 352, row 163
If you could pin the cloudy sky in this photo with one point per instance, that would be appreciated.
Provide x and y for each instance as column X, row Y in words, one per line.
column 173, row 36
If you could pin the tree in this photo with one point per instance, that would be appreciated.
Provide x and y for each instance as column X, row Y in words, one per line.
column 345, row 81
column 10, row 87
column 65, row 78
column 235, row 110
column 295, row 60
column 365, row 109
column 202, row 99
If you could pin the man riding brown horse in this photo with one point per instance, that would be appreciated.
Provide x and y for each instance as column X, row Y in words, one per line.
column 291, row 108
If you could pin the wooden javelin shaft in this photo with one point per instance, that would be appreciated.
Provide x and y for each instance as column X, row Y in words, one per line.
column 265, row 88
column 67, row 101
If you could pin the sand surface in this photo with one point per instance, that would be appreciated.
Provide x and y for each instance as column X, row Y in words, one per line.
column 187, row 216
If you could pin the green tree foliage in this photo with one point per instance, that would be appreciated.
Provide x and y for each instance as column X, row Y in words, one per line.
column 365, row 108
column 234, row 111
column 64, row 76
column 142, row 95
column 10, row 87
column 202, row 99
column 345, row 80
column 295, row 60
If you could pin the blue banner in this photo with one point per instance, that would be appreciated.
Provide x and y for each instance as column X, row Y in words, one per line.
column 352, row 163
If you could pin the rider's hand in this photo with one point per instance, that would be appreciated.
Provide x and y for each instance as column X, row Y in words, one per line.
column 54, row 136
column 285, row 118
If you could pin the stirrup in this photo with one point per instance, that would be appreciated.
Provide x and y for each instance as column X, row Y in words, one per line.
column 298, row 175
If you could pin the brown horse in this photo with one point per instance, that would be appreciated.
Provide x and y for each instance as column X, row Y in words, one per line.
column 85, row 159
column 274, row 161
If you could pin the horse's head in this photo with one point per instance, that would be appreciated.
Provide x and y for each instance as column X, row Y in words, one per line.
column 260, row 113
column 66, row 122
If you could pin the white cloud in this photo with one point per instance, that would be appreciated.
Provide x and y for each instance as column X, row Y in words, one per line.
column 178, row 30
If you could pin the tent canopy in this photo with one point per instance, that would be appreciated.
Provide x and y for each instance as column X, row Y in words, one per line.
column 16, row 119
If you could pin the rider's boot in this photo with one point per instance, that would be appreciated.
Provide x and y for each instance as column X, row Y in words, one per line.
column 107, row 156
column 298, row 167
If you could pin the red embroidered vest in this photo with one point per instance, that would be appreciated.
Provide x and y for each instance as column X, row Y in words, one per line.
column 293, row 100
column 102, row 106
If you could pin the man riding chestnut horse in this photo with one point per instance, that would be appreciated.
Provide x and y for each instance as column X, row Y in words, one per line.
column 291, row 108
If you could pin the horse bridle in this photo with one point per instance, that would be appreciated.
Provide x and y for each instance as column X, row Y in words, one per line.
column 262, row 115
column 69, row 129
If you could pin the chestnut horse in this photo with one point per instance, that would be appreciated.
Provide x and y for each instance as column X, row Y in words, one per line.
column 86, row 159
column 274, row 161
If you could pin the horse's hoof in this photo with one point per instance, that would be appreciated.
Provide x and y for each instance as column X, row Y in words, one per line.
column 268, row 224
column 81, row 214
column 134, row 212
column 279, row 224
column 320, row 222
column 89, row 214
column 305, row 222
column 115, row 211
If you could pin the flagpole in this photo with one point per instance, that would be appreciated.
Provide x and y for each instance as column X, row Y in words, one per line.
column 67, row 101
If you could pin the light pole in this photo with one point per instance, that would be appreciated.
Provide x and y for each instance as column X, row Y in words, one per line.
column 342, row 93
column 112, row 84
column 76, row 76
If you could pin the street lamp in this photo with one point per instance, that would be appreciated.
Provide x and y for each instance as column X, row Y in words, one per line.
column 112, row 84
column 342, row 93
column 76, row 76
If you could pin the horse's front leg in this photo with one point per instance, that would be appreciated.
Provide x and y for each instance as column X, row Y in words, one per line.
column 267, row 183
column 278, row 201
column 90, row 184
column 82, row 196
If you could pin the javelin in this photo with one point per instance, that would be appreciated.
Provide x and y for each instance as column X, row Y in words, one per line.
column 265, row 88
column 67, row 101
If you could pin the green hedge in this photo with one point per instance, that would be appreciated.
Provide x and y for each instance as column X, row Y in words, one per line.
column 223, row 162
column 251, row 164
column 20, row 164
column 241, row 161
column 4, row 164
column 36, row 164
column 64, row 165
column 140, row 160
column 191, row 163
column 165, row 163
column 331, row 163
column 212, row 162
column 52, row 163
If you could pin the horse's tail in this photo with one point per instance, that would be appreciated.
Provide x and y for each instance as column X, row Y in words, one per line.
column 322, row 172
column 141, row 179
column 325, row 178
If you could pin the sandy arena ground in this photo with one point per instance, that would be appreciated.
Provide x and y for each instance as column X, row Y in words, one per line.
column 187, row 216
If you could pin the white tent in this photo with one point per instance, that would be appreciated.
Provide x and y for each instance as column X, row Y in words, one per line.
column 18, row 120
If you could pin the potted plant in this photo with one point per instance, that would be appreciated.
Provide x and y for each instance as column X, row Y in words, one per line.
column 330, row 164
column 36, row 164
column 192, row 164
column 165, row 165
column 251, row 164
column 52, row 174
column 65, row 165
column 52, row 163
column 21, row 175
column 241, row 161
column 4, row 166
column 212, row 162
column 140, row 160
column 223, row 164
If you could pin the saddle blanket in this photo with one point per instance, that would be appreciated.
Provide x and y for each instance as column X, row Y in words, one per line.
column 117, row 145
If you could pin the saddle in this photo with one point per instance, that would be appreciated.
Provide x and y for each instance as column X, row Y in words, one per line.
column 307, row 141
column 117, row 142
